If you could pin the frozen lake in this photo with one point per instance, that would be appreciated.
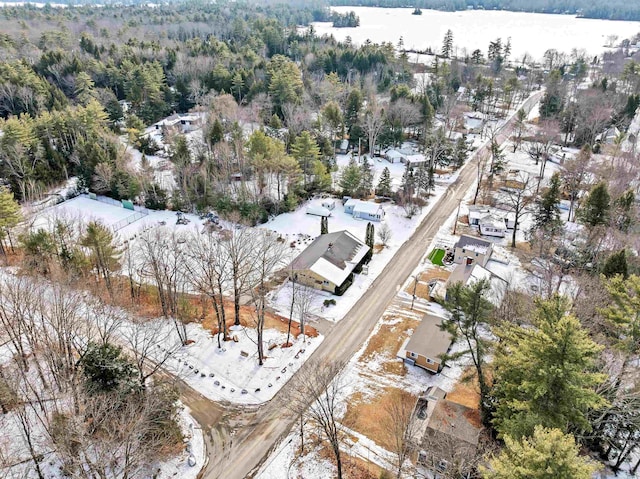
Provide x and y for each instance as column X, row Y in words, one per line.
column 532, row 33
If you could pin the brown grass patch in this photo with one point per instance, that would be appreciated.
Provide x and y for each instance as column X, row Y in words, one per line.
column 422, row 288
column 465, row 393
column 371, row 416
column 386, row 343
column 435, row 273
column 377, row 248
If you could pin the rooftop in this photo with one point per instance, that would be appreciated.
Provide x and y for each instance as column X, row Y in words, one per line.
column 456, row 420
column 332, row 256
column 428, row 339
column 475, row 244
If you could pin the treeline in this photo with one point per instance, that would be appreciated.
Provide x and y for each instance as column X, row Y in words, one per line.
column 610, row 10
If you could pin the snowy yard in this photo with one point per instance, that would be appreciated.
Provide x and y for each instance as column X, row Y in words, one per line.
column 232, row 373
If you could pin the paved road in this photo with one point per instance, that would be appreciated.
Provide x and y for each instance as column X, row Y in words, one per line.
column 260, row 428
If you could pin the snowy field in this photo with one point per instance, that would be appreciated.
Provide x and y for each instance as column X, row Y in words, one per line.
column 232, row 373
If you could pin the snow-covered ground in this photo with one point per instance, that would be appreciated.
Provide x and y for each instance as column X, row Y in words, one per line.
column 232, row 373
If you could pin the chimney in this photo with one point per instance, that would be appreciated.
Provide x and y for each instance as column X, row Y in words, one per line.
column 329, row 247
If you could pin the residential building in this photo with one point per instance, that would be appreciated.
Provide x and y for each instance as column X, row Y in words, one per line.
column 470, row 249
column 491, row 225
column 428, row 344
column 329, row 262
column 468, row 274
column 365, row 210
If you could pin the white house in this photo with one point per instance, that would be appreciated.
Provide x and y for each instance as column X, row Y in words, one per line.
column 329, row 203
column 184, row 123
column 491, row 225
column 476, row 213
column 365, row 210
column 414, row 159
column 394, row 156
column 470, row 250
column 468, row 274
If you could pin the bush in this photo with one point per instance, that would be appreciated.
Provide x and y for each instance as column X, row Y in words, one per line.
column 329, row 302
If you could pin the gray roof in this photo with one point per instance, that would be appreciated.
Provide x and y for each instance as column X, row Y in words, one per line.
column 428, row 339
column 333, row 255
column 456, row 420
column 466, row 241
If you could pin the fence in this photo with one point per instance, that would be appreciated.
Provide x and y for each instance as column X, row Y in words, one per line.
column 140, row 212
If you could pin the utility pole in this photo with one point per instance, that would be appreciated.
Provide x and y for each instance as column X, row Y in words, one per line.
column 455, row 223
column 415, row 286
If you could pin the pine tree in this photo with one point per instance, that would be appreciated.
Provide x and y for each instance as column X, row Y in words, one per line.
column 547, row 216
column 384, row 183
column 9, row 215
column 595, row 211
column 447, row 44
column 616, row 264
column 99, row 240
column 366, row 178
column 544, row 373
column 547, row 454
column 469, row 312
column 350, row 178
column 497, row 158
column 461, row 152
column 408, row 185
column 623, row 314
column 324, row 225
column 306, row 151
column 370, row 239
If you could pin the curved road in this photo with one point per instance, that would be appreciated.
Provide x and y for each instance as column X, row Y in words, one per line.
column 260, row 428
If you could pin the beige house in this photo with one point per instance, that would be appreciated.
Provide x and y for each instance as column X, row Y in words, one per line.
column 329, row 262
column 427, row 344
column 470, row 250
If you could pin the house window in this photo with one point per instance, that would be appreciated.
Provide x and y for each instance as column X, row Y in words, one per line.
column 429, row 361
column 325, row 282
column 463, row 250
column 413, row 355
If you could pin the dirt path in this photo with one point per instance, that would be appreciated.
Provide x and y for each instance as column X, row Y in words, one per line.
column 260, row 429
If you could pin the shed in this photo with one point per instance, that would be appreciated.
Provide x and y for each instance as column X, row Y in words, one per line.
column 475, row 213
column 343, row 147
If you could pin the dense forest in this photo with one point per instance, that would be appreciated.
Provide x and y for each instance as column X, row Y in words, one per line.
column 612, row 10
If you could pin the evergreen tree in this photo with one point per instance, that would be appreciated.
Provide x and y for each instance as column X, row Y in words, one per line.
column 106, row 369
column 595, row 211
column 461, row 152
column 616, row 264
column 366, row 178
column 408, row 185
column 469, row 313
column 350, row 178
column 306, row 151
column 99, row 240
column 447, row 44
column 623, row 313
column 497, row 158
column 544, row 373
column 623, row 214
column 384, row 183
column 9, row 215
column 370, row 239
column 552, row 102
column 324, row 225
column 547, row 454
column 547, row 215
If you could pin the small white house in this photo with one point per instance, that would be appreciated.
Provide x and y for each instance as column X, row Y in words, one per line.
column 476, row 213
column 329, row 203
column 365, row 210
column 491, row 225
column 394, row 156
column 318, row 210
column 414, row 159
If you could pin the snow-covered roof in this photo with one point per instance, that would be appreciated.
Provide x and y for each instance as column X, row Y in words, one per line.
column 492, row 221
column 318, row 210
column 477, row 213
column 393, row 154
column 367, row 207
column 469, row 274
column 472, row 243
column 332, row 256
column 351, row 202
column 415, row 158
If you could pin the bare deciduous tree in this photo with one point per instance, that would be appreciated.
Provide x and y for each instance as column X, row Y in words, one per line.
column 401, row 425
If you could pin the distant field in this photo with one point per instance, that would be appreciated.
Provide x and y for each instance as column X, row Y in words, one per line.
column 436, row 256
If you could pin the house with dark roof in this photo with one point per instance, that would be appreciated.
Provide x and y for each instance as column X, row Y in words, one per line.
column 329, row 262
column 470, row 249
column 428, row 344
